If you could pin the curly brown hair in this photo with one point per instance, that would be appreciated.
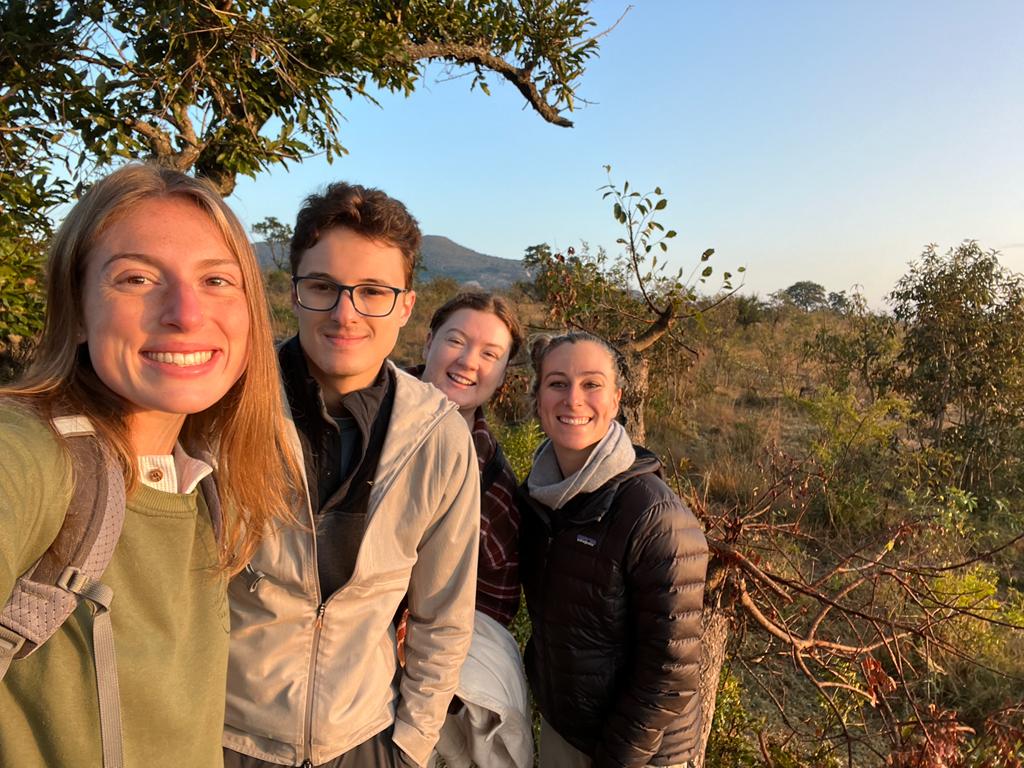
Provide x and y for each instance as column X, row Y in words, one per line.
column 366, row 211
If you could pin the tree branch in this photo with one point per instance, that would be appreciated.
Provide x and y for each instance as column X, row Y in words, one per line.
column 159, row 141
column 194, row 147
column 732, row 554
column 802, row 644
column 520, row 77
column 652, row 333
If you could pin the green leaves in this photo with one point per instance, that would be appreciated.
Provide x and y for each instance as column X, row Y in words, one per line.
column 963, row 359
column 205, row 86
column 21, row 291
column 632, row 298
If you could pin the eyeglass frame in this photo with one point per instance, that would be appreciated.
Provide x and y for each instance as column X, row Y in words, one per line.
column 342, row 289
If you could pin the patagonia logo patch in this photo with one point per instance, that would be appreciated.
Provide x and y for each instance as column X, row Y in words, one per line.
column 586, row 540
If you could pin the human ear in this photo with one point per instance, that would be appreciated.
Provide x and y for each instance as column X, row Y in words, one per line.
column 80, row 334
column 408, row 302
column 426, row 345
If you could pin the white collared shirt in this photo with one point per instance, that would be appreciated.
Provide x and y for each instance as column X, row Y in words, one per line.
column 172, row 473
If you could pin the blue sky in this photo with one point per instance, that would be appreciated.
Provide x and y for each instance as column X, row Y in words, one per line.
column 825, row 141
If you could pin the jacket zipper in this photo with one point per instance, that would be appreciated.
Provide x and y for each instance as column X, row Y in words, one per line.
column 317, row 627
column 307, row 748
column 547, row 593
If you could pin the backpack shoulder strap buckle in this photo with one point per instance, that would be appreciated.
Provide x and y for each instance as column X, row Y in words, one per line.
column 93, row 590
column 10, row 644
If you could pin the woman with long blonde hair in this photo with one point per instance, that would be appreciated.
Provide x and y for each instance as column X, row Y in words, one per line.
column 157, row 334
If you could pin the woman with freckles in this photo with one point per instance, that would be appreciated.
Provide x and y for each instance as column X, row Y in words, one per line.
column 157, row 339
column 613, row 567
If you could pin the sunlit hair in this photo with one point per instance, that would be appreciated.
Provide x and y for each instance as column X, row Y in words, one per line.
column 367, row 212
column 482, row 301
column 243, row 431
column 541, row 345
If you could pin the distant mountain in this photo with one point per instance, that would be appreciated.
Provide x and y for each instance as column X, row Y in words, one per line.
column 445, row 258
column 441, row 257
column 264, row 256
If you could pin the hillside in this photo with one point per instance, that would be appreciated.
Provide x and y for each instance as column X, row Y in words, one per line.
column 443, row 257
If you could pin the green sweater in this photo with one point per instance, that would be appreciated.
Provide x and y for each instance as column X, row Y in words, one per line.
column 169, row 613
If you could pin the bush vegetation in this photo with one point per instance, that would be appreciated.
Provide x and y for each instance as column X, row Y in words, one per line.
column 810, row 443
column 798, row 436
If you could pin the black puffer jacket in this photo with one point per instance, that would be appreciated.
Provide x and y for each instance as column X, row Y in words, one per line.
column 614, row 585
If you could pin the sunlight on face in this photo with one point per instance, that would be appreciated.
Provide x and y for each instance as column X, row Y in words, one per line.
column 345, row 349
column 165, row 316
column 466, row 358
column 577, row 400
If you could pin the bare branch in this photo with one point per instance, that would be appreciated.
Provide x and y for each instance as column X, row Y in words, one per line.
column 651, row 334
column 798, row 643
column 520, row 77
column 732, row 554
column 609, row 30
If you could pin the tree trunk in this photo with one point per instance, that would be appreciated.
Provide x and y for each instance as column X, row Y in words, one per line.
column 715, row 625
column 634, row 397
column 210, row 168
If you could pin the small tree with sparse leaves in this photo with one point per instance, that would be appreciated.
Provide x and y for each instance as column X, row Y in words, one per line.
column 632, row 300
column 277, row 236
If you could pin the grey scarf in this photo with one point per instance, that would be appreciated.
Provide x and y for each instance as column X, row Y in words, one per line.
column 610, row 457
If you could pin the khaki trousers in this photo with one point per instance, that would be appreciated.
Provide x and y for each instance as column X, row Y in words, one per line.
column 556, row 752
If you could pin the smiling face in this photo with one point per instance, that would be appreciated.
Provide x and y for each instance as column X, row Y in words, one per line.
column 344, row 349
column 164, row 311
column 577, row 400
column 466, row 358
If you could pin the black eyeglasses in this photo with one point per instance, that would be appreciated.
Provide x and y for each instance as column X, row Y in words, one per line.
column 369, row 299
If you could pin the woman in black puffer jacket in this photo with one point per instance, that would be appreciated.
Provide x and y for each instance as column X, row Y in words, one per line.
column 613, row 567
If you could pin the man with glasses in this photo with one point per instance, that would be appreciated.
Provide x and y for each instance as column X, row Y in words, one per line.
column 390, row 509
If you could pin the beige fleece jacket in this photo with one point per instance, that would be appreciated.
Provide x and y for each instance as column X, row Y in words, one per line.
column 311, row 676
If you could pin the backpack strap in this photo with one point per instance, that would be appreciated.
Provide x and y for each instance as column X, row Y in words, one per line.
column 69, row 571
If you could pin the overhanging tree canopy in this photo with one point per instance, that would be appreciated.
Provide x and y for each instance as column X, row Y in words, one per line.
column 224, row 87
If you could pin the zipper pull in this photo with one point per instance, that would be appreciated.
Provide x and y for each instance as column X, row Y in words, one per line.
column 252, row 577
column 320, row 615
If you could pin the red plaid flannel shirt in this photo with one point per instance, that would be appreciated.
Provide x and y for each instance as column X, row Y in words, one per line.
column 498, row 584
